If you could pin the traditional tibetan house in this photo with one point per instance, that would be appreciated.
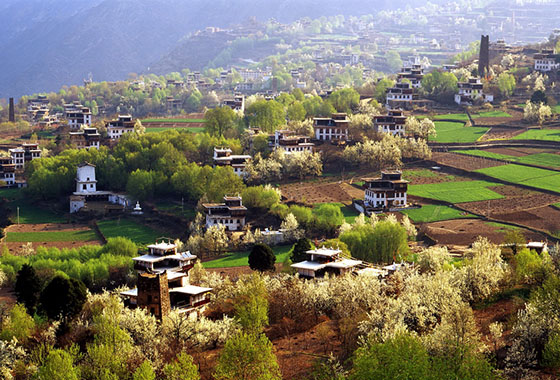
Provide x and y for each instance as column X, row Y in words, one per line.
column 25, row 153
column 289, row 142
column 223, row 157
column 116, row 128
column 230, row 214
column 325, row 260
column 7, row 172
column 163, row 282
column 387, row 191
column 393, row 123
column 472, row 91
column 86, row 138
column 333, row 128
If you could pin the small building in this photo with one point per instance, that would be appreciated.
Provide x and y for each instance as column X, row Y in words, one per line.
column 400, row 96
column 394, row 123
column 325, row 260
column 237, row 103
column 78, row 116
column 86, row 138
column 163, row 282
column 472, row 91
column 7, row 172
column 387, row 191
column 546, row 61
column 413, row 73
column 230, row 214
column 25, row 153
column 86, row 191
column 116, row 128
column 332, row 128
column 290, row 142
column 223, row 157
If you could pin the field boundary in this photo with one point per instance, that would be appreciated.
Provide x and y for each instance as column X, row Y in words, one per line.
column 98, row 232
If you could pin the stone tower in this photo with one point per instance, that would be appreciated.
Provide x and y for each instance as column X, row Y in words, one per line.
column 484, row 57
column 12, row 116
column 153, row 293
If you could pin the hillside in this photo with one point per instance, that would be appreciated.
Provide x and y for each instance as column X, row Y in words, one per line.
column 47, row 44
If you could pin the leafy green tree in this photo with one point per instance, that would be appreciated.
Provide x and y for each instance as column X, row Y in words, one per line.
column 506, row 84
column 120, row 246
column 59, row 364
column 298, row 94
column 262, row 258
column 183, row 368
column 247, row 356
column 315, row 107
column 295, row 112
column 140, row 184
column 266, row 114
column 440, row 85
column 381, row 89
column 251, row 305
column 386, row 242
column 394, row 60
column 144, row 372
column 219, row 120
column 260, row 197
column 345, row 100
column 402, row 357
column 28, row 287
column 17, row 325
column 299, row 249
column 63, row 297
column 328, row 217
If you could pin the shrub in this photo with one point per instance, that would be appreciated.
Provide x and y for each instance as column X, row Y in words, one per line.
column 262, row 258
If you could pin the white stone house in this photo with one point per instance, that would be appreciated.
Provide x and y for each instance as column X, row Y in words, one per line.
column 546, row 61
column 122, row 125
column 332, row 128
column 223, row 157
column 387, row 191
column 471, row 91
column 325, row 260
column 230, row 214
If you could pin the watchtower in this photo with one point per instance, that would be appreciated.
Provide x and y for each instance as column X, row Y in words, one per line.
column 153, row 293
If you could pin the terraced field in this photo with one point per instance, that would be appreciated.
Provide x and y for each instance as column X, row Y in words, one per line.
column 456, row 192
column 524, row 175
column 450, row 132
column 540, row 134
column 540, row 159
column 435, row 213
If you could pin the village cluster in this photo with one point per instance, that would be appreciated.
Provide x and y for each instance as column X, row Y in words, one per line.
column 411, row 192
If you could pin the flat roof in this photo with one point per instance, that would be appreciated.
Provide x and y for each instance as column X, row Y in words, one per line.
column 344, row 263
column 190, row 289
column 162, row 245
column 130, row 293
column 324, row 252
column 308, row 265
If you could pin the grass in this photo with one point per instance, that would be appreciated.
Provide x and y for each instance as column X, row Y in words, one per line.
column 163, row 129
column 85, row 235
column 411, row 175
column 456, row 192
column 539, row 134
column 435, row 213
column 240, row 259
column 29, row 213
column 179, row 120
column 138, row 233
column 172, row 207
column 556, row 109
column 502, row 227
column 540, row 159
column 449, row 132
column 524, row 175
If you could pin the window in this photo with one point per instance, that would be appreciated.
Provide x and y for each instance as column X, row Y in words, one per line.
column 84, row 187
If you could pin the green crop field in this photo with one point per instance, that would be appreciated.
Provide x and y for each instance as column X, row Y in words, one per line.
column 540, row 159
column 485, row 154
column 86, row 235
column 138, row 233
column 456, row 192
column 240, row 259
column 173, row 120
column 435, row 213
column 556, row 108
column 163, row 129
column 29, row 213
column 539, row 134
column 497, row 113
column 449, row 132
column 452, row 116
column 524, row 175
